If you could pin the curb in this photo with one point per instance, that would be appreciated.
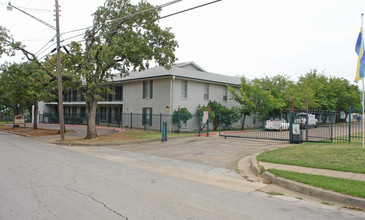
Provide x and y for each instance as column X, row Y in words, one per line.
column 106, row 143
column 116, row 143
column 304, row 188
column 254, row 164
column 314, row 191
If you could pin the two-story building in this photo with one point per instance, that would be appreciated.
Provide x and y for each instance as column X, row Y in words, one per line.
column 152, row 93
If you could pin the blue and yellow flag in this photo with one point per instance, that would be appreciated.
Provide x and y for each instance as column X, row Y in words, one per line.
column 360, row 70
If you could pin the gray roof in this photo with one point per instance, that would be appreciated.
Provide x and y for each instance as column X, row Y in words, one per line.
column 188, row 70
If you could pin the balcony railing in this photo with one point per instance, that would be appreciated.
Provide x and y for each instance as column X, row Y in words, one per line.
column 109, row 98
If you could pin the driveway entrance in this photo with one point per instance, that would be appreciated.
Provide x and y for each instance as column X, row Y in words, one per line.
column 213, row 151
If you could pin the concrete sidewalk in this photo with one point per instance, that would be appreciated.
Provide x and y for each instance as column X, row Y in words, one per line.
column 251, row 169
column 314, row 171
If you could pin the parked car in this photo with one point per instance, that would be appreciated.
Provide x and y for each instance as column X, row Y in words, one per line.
column 301, row 119
column 276, row 124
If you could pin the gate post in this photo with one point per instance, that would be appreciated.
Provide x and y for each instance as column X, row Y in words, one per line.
column 331, row 127
column 290, row 126
column 349, row 124
column 208, row 125
column 199, row 124
column 220, row 121
column 306, row 127
column 131, row 120
column 178, row 122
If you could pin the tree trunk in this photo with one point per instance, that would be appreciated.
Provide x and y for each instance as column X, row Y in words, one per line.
column 243, row 122
column 16, row 110
column 35, row 114
column 91, row 115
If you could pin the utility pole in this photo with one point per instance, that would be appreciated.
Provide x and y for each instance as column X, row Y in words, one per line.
column 59, row 70
column 59, row 74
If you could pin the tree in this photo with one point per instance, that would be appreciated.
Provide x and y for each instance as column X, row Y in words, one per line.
column 182, row 117
column 312, row 86
column 326, row 93
column 279, row 87
column 124, row 37
column 219, row 113
column 21, row 86
column 9, row 46
column 252, row 99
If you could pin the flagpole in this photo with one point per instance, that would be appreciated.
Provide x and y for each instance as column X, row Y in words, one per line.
column 363, row 88
column 363, row 118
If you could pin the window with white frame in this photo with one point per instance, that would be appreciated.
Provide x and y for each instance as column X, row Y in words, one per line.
column 184, row 89
column 147, row 89
column 206, row 92
column 225, row 93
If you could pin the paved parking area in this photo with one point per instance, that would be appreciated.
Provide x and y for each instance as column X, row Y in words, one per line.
column 215, row 151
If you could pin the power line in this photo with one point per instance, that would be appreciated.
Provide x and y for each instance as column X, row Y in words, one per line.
column 31, row 9
column 153, row 20
column 137, row 25
column 111, row 22
column 46, row 45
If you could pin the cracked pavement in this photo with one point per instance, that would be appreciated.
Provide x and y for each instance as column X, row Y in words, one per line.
column 42, row 181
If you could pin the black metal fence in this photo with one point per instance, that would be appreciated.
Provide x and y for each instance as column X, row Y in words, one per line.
column 131, row 120
column 258, row 127
column 328, row 126
column 320, row 126
column 316, row 126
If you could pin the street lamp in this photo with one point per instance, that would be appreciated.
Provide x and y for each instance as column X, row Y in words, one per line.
column 10, row 7
column 59, row 72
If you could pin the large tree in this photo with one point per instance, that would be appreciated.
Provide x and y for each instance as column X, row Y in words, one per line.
column 279, row 87
column 252, row 99
column 22, row 85
column 123, row 37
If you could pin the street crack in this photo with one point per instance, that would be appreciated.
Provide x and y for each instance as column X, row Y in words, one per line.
column 92, row 198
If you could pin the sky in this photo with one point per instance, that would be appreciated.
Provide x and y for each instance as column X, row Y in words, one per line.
column 231, row 37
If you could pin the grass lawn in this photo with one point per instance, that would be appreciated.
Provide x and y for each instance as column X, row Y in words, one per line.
column 344, row 186
column 349, row 157
column 153, row 134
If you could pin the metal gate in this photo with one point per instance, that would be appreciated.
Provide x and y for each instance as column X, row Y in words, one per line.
column 258, row 127
column 320, row 126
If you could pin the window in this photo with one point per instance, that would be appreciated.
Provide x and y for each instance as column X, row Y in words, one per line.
column 206, row 92
column 184, row 89
column 69, row 96
column 110, row 95
column 105, row 95
column 147, row 116
column 147, row 89
column 74, row 111
column 83, row 112
column 119, row 93
column 225, row 94
column 74, row 95
column 103, row 113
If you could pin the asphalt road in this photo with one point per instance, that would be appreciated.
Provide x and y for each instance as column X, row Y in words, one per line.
column 42, row 181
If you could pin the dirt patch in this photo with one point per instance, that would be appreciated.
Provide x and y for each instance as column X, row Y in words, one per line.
column 128, row 135
column 30, row 131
